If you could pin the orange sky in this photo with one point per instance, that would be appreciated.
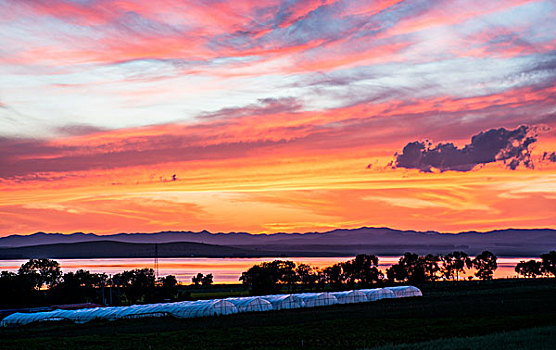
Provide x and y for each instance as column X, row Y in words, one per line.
column 265, row 191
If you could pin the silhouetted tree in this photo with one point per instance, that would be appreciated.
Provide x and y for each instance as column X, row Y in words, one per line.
column 79, row 286
column 19, row 289
column 83, row 278
column 48, row 271
column 332, row 275
column 414, row 268
column 168, row 281
column 485, row 263
column 363, row 269
column 268, row 276
column 397, row 272
column 260, row 279
column 531, row 268
column 455, row 263
column 285, row 272
column 207, row 280
column 138, row 284
column 197, row 279
column 168, row 287
column 548, row 262
column 409, row 267
column 430, row 266
column 307, row 275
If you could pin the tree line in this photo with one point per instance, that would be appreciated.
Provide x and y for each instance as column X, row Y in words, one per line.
column 533, row 268
column 41, row 281
column 362, row 271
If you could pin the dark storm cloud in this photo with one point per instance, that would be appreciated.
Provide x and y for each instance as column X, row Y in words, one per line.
column 510, row 146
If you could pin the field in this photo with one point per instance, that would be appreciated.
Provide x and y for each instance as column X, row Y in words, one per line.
column 500, row 314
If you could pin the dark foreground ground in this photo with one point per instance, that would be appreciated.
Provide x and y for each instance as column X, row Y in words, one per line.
column 502, row 314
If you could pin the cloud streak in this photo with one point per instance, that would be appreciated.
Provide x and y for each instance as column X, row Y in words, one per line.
column 281, row 128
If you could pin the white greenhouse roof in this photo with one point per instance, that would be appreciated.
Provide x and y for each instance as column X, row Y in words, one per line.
column 405, row 291
column 378, row 294
column 214, row 307
column 350, row 297
column 250, row 304
column 318, row 299
column 284, row 301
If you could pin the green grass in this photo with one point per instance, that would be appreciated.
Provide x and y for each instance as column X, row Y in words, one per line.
column 465, row 315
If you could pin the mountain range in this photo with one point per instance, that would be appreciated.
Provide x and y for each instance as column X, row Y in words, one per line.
column 340, row 242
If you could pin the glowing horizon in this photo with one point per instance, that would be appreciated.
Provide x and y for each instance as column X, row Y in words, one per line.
column 287, row 116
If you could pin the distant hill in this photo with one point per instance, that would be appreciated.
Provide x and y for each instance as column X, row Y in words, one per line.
column 110, row 249
column 381, row 241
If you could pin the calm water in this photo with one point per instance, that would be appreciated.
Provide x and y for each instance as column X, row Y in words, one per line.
column 224, row 270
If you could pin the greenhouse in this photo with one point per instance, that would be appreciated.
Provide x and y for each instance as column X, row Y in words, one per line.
column 201, row 308
column 215, row 307
column 405, row 291
column 317, row 299
column 87, row 315
column 120, row 312
column 139, row 311
column 162, row 309
column 350, row 297
column 20, row 319
column 106, row 313
column 250, row 304
column 378, row 294
column 284, row 301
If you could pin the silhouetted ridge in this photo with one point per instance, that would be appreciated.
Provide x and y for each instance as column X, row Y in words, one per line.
column 509, row 242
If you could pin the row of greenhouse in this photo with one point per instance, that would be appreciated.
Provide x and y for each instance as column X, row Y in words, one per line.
column 214, row 307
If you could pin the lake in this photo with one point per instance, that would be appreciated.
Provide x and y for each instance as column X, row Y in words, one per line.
column 224, row 270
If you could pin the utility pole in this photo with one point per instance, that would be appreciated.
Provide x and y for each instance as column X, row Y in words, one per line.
column 156, row 259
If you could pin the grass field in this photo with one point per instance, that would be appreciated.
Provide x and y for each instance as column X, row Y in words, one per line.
column 501, row 314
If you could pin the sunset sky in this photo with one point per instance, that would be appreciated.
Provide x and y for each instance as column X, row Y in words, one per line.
column 267, row 116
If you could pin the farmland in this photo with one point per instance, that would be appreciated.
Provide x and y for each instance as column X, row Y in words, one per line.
column 513, row 313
